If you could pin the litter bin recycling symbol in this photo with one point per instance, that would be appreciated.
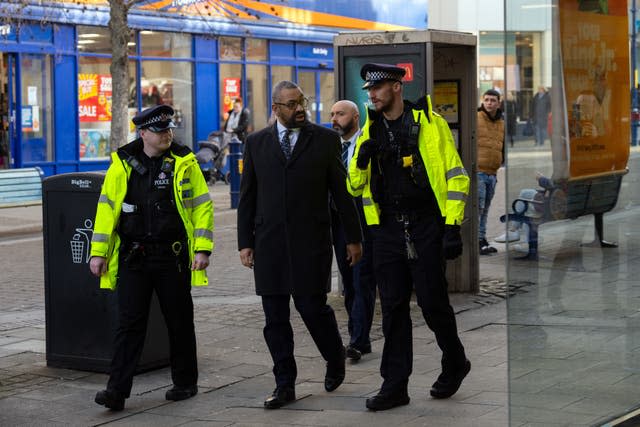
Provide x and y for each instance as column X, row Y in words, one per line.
column 81, row 243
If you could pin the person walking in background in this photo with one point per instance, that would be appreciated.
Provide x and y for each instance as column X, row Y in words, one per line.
column 413, row 187
column 291, row 169
column 237, row 122
column 490, row 152
column 153, row 232
column 540, row 109
column 359, row 283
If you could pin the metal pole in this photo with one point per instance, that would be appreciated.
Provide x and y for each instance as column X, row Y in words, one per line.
column 634, row 89
column 235, row 168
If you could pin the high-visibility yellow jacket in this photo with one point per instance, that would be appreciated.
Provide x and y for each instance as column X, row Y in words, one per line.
column 192, row 200
column 447, row 176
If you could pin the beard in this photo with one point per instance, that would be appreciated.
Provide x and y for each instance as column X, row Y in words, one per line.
column 297, row 120
column 343, row 130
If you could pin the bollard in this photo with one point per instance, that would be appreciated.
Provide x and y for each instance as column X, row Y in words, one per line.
column 235, row 167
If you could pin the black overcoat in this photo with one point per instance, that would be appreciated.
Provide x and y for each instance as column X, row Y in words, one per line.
column 283, row 213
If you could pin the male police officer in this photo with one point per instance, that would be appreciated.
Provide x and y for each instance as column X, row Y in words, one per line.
column 413, row 188
column 153, row 231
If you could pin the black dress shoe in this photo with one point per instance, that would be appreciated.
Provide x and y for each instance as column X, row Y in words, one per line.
column 111, row 399
column 181, row 392
column 280, row 397
column 335, row 373
column 448, row 383
column 384, row 401
column 353, row 353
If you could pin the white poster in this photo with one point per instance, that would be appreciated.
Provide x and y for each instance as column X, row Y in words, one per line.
column 32, row 95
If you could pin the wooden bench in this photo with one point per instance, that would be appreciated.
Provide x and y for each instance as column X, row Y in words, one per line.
column 20, row 187
column 570, row 199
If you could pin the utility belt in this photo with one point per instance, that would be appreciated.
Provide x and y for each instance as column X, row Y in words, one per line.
column 135, row 249
column 410, row 216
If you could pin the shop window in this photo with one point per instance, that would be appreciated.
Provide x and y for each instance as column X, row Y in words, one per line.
column 170, row 82
column 230, row 48
column 257, row 96
column 256, row 50
column 165, row 45
column 327, row 91
column 94, row 107
column 280, row 73
column 92, row 39
column 230, row 88
column 36, row 109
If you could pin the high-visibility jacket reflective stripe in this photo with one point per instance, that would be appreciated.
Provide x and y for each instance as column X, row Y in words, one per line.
column 447, row 176
column 192, row 200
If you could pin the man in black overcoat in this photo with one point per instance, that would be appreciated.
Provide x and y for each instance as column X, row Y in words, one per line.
column 290, row 169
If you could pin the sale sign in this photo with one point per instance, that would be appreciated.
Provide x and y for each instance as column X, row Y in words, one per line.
column 94, row 97
column 230, row 91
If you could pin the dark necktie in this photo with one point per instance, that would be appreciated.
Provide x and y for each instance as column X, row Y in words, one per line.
column 285, row 144
column 345, row 153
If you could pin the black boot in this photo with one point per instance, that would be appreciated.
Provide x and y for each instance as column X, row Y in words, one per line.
column 181, row 392
column 449, row 382
column 387, row 400
column 111, row 399
column 280, row 397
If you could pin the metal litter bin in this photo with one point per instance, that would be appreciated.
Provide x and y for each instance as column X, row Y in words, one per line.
column 81, row 318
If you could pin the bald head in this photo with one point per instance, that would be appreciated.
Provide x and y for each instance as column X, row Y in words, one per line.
column 344, row 118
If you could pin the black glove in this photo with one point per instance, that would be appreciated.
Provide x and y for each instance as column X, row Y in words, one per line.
column 367, row 150
column 452, row 242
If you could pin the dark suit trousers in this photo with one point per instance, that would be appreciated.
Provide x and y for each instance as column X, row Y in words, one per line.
column 319, row 319
column 359, row 284
column 135, row 287
column 396, row 277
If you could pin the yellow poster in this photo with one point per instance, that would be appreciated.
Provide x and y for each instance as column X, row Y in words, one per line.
column 595, row 60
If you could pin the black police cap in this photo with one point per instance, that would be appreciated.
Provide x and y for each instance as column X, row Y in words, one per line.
column 373, row 74
column 156, row 119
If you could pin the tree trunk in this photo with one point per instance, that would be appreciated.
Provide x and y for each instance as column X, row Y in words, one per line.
column 120, row 37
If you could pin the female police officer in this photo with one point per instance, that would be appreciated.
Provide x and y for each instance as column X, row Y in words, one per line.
column 153, row 231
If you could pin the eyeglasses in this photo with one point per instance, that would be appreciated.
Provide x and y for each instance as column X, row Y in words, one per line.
column 292, row 105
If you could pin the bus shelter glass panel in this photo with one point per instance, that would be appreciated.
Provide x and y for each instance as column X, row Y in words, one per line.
column 36, row 109
column 170, row 82
column 572, row 209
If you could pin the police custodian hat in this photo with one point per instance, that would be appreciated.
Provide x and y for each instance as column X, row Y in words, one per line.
column 156, row 119
column 373, row 74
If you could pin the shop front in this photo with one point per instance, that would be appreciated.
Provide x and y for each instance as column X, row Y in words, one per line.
column 55, row 80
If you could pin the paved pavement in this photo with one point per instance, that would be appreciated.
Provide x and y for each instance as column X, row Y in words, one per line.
column 235, row 366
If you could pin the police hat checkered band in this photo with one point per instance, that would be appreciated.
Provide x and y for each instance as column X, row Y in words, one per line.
column 382, row 75
column 155, row 119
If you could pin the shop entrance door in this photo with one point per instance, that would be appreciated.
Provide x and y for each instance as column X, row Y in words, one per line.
column 319, row 87
column 7, row 110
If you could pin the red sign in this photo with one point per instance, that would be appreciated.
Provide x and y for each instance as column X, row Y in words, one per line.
column 230, row 91
column 94, row 97
column 408, row 67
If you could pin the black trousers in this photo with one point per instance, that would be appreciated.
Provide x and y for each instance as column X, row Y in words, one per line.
column 396, row 277
column 319, row 319
column 136, row 282
column 358, row 281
